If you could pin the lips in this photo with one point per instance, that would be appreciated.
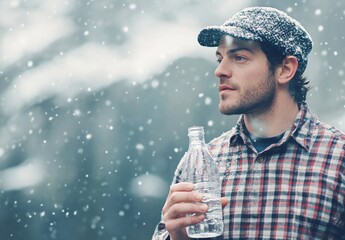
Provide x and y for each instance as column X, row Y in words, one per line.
column 222, row 88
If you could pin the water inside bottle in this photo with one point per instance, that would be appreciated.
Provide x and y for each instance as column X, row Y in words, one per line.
column 212, row 225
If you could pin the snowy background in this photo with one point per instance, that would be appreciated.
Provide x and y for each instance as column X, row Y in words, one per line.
column 96, row 99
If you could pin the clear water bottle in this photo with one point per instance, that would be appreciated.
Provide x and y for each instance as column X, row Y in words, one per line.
column 201, row 169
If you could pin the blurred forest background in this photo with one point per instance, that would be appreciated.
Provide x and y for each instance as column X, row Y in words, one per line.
column 97, row 97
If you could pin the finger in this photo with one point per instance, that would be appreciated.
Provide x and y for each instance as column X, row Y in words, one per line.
column 224, row 201
column 181, row 197
column 179, row 223
column 181, row 209
column 181, row 187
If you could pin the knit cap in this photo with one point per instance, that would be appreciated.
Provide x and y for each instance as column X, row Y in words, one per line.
column 264, row 24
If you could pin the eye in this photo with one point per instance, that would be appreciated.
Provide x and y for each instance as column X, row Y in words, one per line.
column 239, row 58
column 219, row 60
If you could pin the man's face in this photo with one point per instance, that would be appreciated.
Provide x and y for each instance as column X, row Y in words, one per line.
column 245, row 83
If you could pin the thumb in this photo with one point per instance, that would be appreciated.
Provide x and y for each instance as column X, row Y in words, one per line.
column 224, row 201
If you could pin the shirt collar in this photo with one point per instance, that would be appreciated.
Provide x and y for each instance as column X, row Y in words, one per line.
column 302, row 127
column 239, row 133
column 299, row 131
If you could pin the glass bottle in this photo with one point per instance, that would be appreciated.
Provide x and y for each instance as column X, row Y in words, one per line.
column 201, row 169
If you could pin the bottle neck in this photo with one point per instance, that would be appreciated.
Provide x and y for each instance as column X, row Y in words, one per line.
column 196, row 136
column 196, row 141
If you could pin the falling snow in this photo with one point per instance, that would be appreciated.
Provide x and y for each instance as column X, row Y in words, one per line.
column 97, row 98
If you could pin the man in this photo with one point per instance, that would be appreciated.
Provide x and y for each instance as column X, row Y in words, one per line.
column 282, row 170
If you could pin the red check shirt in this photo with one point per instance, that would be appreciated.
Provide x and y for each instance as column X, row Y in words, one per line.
column 293, row 189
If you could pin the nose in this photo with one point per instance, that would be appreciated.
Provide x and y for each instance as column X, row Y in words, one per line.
column 223, row 71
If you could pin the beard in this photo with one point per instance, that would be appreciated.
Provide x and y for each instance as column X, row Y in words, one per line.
column 254, row 100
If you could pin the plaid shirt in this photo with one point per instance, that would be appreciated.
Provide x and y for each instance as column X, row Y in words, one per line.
column 294, row 189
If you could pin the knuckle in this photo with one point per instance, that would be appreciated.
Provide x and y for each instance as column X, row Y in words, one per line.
column 174, row 197
column 174, row 210
column 172, row 188
column 164, row 209
column 168, row 226
column 164, row 215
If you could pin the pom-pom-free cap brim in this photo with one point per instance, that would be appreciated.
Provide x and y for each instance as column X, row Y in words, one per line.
column 211, row 36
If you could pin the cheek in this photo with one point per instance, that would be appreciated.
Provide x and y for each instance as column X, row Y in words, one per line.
column 254, row 74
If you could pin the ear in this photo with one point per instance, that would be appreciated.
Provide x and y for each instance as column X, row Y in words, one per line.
column 286, row 71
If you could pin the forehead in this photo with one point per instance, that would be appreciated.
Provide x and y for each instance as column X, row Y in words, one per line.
column 230, row 42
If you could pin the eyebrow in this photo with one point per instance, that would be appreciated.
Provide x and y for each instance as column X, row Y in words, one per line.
column 233, row 50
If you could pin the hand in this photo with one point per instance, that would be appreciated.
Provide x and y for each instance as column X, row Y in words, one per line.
column 181, row 201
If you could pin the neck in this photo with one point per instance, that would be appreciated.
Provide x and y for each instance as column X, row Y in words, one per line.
column 273, row 121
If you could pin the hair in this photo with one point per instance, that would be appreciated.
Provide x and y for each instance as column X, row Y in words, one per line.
column 298, row 85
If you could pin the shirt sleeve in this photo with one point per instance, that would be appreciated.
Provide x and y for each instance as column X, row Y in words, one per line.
column 160, row 232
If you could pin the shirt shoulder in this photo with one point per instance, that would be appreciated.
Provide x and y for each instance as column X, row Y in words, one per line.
column 316, row 135
column 221, row 143
column 322, row 130
column 327, row 143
